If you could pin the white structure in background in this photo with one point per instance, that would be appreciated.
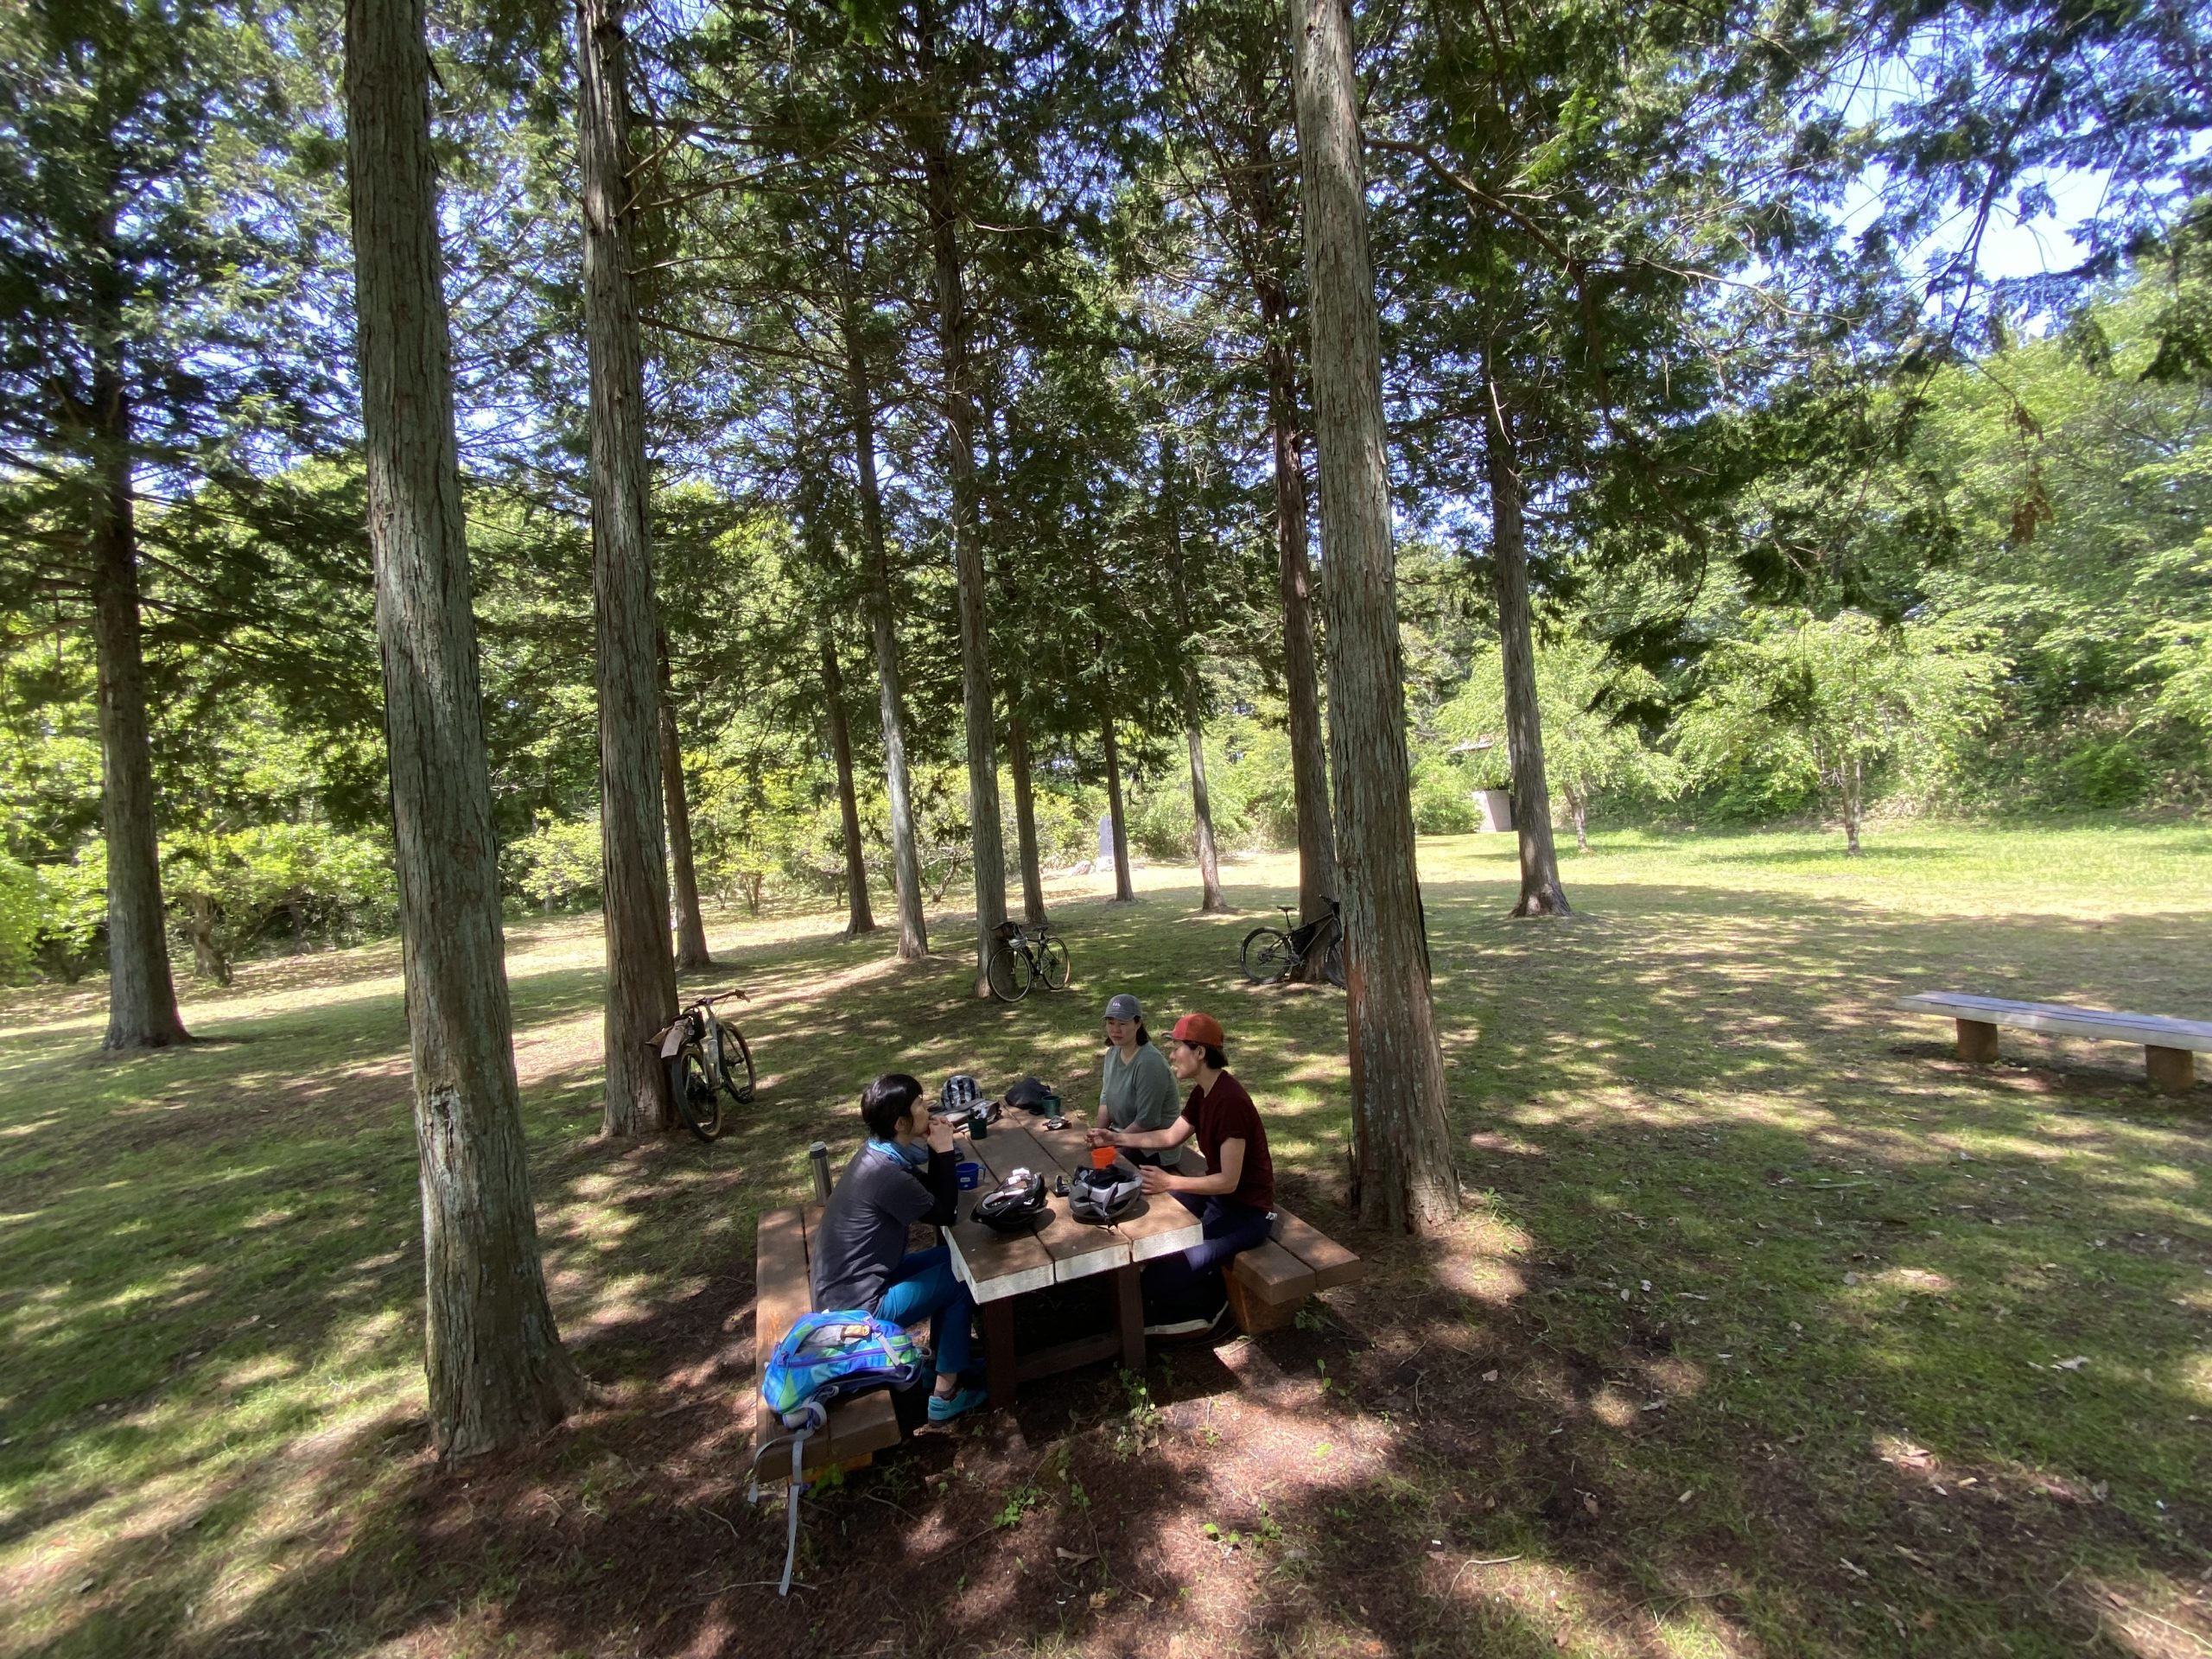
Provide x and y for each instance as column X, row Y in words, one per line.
column 1105, row 842
column 1496, row 806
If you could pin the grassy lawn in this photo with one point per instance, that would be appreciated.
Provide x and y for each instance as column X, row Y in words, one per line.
column 1770, row 1329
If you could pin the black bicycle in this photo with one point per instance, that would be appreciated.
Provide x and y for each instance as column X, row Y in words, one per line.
column 1270, row 954
column 1022, row 959
column 706, row 1058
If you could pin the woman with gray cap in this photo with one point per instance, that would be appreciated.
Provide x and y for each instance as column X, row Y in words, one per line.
column 1137, row 1090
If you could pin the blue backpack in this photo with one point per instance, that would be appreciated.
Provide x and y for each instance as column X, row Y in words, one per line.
column 822, row 1358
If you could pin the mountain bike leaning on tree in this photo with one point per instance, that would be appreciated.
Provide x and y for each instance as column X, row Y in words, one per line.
column 1020, row 959
column 705, row 1059
column 1271, row 954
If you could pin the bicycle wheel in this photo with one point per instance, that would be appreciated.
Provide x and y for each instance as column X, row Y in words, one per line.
column 1332, row 963
column 1009, row 974
column 1267, row 954
column 698, row 1102
column 1052, row 964
column 737, row 1063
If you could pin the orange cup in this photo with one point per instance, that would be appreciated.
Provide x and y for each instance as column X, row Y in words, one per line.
column 1102, row 1157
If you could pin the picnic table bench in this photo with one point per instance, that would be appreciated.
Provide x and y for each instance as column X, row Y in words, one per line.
column 858, row 1426
column 2169, row 1046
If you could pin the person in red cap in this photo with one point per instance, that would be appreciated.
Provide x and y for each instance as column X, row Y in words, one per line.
column 1234, row 1200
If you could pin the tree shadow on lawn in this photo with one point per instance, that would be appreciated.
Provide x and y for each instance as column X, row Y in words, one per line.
column 1747, row 1130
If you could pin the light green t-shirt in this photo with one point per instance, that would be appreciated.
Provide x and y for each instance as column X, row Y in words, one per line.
column 1139, row 1094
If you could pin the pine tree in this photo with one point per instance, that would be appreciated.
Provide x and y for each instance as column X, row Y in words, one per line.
column 497, row 1372
column 1402, row 1139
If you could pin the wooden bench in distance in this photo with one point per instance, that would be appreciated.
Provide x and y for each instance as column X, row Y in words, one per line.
column 859, row 1427
column 2169, row 1046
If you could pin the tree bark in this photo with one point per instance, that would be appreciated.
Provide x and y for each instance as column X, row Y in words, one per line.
column 496, row 1371
column 1318, row 881
column 1577, row 812
column 142, row 1010
column 941, row 199
column 1540, row 892
column 640, row 972
column 692, row 955
column 906, row 864
column 1252, row 182
column 1018, row 761
column 1403, row 1166
column 859, row 918
column 1853, row 793
column 1124, row 891
column 1210, row 901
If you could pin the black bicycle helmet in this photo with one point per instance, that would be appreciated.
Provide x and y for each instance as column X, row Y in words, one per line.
column 1015, row 1204
column 1032, row 1095
column 1103, row 1196
column 960, row 1092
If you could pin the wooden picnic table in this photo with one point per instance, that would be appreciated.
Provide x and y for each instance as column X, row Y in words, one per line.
column 999, row 1267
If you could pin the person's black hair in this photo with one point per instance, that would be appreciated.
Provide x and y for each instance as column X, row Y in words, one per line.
column 1216, row 1058
column 886, row 1103
column 1143, row 1036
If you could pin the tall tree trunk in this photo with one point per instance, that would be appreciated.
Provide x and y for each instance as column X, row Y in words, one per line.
column 640, row 972
column 1577, row 812
column 1318, row 881
column 1853, row 794
column 142, row 1009
column 906, row 860
column 497, row 1372
column 941, row 197
column 1211, row 902
column 692, row 955
column 859, row 918
column 1540, row 892
column 1025, row 820
column 1123, row 893
column 1404, row 1170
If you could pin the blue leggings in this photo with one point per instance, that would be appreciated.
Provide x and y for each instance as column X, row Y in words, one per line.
column 923, row 1285
column 1191, row 1280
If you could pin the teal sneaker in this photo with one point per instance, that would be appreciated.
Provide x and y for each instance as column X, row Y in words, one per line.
column 945, row 1407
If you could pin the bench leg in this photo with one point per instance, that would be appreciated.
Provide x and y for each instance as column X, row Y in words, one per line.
column 1977, row 1042
column 1128, row 1315
column 999, row 1364
column 2173, row 1071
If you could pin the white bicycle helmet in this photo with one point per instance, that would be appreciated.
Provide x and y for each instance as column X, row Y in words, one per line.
column 1103, row 1196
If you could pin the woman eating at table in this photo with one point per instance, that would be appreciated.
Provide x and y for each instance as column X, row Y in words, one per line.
column 903, row 1173
column 1234, row 1200
column 1137, row 1090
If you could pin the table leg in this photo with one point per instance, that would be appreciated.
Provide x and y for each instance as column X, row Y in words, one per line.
column 998, row 1350
column 2173, row 1071
column 1128, row 1314
column 1977, row 1042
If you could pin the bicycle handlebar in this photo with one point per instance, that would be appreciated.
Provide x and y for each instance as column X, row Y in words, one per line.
column 737, row 991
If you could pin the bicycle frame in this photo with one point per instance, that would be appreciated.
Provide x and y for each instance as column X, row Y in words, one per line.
column 698, row 1021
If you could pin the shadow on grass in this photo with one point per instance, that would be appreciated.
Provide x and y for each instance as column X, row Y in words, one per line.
column 1734, row 1348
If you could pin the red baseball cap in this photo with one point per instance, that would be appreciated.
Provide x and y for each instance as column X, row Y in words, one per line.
column 1200, row 1028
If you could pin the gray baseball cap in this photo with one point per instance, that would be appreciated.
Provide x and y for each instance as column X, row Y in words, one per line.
column 1124, row 1006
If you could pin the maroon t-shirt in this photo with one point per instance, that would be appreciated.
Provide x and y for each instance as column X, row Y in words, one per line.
column 1225, row 1112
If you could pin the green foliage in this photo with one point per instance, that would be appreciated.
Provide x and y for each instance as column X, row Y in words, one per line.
column 555, row 864
column 1590, row 749
column 1443, row 799
column 22, row 911
column 1823, row 702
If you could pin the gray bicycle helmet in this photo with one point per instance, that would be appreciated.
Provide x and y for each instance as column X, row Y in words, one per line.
column 1015, row 1204
column 1103, row 1196
column 960, row 1092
